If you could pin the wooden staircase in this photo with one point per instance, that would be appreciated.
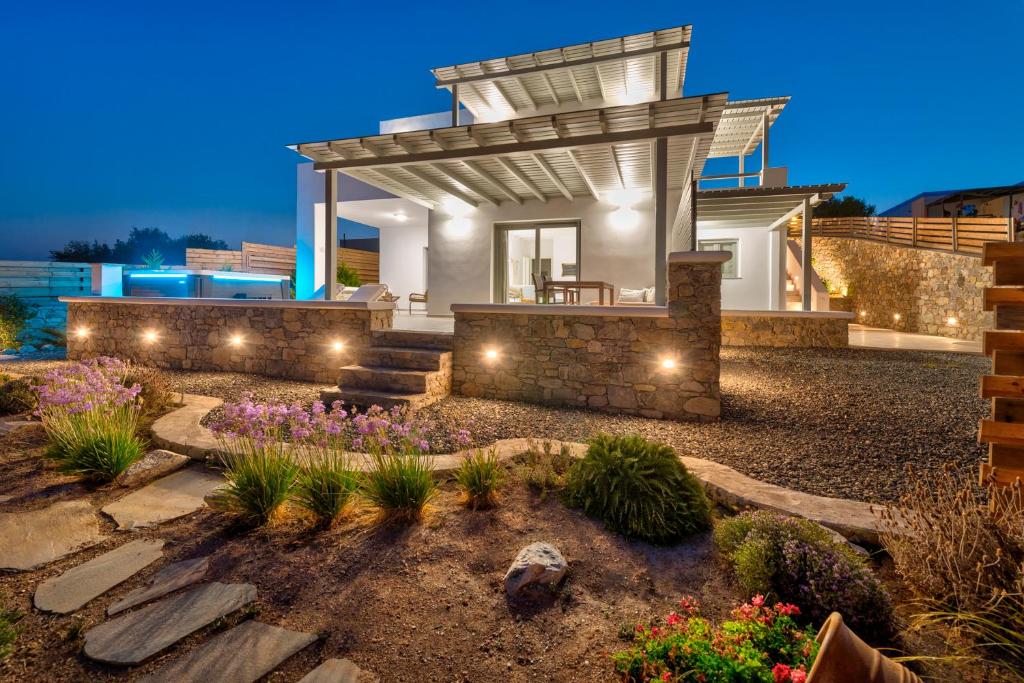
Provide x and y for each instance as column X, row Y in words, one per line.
column 398, row 368
column 1003, row 430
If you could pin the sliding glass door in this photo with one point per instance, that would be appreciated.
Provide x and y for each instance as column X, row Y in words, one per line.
column 528, row 254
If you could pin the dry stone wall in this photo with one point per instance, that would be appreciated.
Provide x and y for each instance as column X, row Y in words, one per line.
column 925, row 288
column 779, row 329
column 292, row 340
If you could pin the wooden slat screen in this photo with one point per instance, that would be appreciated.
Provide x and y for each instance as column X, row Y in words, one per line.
column 958, row 235
column 272, row 259
column 212, row 259
column 43, row 280
column 268, row 258
column 365, row 263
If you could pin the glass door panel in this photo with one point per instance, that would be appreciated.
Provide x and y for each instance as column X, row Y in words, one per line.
column 520, row 256
column 528, row 254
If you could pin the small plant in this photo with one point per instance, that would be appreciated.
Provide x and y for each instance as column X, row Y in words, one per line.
column 54, row 336
column 798, row 561
column 227, row 268
column 326, row 485
column 347, row 275
column 8, row 631
column 639, row 489
column 154, row 260
column 400, row 484
column 16, row 396
column 544, row 470
column 479, row 476
column 760, row 644
column 259, row 482
column 155, row 394
column 14, row 313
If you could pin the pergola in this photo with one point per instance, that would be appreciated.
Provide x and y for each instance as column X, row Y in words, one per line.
column 744, row 125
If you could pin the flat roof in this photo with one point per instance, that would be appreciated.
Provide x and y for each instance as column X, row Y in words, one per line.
column 758, row 207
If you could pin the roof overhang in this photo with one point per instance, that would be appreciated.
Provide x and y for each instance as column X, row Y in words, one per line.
column 624, row 70
column 572, row 154
column 741, row 128
column 758, row 207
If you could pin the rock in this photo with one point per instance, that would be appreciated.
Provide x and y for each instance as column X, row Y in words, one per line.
column 168, row 498
column 154, row 464
column 27, row 348
column 244, row 654
column 9, row 352
column 33, row 539
column 338, row 671
column 167, row 580
column 47, row 347
column 135, row 637
column 538, row 564
column 66, row 593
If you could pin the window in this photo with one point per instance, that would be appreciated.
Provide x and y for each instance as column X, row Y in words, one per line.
column 730, row 269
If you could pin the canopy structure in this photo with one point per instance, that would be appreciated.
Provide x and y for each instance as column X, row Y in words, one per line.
column 758, row 207
column 624, row 70
column 743, row 125
column 569, row 154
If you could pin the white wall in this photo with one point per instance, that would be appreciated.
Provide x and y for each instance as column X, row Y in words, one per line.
column 756, row 288
column 402, row 259
column 617, row 245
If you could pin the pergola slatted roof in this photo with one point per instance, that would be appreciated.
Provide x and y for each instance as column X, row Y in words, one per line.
column 741, row 128
column 571, row 154
column 600, row 73
column 757, row 207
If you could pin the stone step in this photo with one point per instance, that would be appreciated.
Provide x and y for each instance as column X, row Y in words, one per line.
column 74, row 588
column 364, row 398
column 165, row 499
column 406, row 358
column 338, row 671
column 440, row 341
column 135, row 637
column 244, row 654
column 32, row 539
column 385, row 379
column 167, row 580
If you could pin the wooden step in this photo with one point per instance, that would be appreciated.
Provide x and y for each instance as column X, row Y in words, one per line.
column 993, row 252
column 1003, row 295
column 1003, row 340
column 1008, row 362
column 1009, row 317
column 1005, row 433
column 1008, row 273
column 1007, row 410
column 1002, row 385
column 1006, row 456
column 1003, row 476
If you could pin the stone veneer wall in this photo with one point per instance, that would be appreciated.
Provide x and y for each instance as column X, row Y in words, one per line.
column 587, row 356
column 284, row 339
column 786, row 329
column 925, row 287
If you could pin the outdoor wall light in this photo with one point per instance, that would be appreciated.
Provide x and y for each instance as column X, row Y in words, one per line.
column 625, row 198
column 844, row 291
column 337, row 346
column 459, row 227
column 235, row 340
column 624, row 218
column 400, row 216
column 896, row 317
column 951, row 321
column 82, row 332
column 150, row 336
column 491, row 355
column 668, row 363
column 863, row 314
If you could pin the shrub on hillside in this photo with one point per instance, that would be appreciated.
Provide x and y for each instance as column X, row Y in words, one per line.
column 155, row 388
column 795, row 560
column 479, row 476
column 326, row 485
column 543, row 469
column 14, row 313
column 639, row 489
column 16, row 395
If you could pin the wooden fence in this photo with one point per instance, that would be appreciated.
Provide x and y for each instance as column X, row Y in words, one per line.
column 957, row 235
column 269, row 258
column 38, row 284
column 365, row 263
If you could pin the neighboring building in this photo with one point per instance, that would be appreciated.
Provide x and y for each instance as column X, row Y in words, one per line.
column 1001, row 201
column 581, row 163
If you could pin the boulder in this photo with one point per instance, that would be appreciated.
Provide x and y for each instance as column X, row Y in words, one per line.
column 27, row 348
column 537, row 565
column 151, row 466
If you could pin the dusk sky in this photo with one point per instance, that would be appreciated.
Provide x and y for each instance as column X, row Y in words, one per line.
column 176, row 115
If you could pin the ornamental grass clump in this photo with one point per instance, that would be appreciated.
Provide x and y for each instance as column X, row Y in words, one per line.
column 796, row 560
column 16, row 396
column 91, row 418
column 326, row 485
column 639, row 489
column 479, row 476
column 761, row 644
column 400, row 480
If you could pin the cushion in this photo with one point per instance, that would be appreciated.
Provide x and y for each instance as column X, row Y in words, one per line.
column 631, row 296
column 649, row 294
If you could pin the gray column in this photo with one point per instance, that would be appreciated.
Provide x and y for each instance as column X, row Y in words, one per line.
column 330, row 234
column 661, row 220
column 455, row 105
column 741, row 170
column 764, row 145
column 805, row 278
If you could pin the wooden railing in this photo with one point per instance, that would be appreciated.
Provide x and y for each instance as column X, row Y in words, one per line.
column 957, row 235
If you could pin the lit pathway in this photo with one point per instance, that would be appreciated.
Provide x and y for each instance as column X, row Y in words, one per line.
column 862, row 336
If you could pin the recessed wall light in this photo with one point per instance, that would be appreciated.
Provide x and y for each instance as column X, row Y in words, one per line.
column 150, row 336
column 668, row 363
column 337, row 346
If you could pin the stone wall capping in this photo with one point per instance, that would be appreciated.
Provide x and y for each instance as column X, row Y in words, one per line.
column 812, row 315
column 699, row 257
column 564, row 310
column 238, row 303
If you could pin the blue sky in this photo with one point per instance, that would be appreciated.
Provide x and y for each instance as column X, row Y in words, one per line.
column 176, row 115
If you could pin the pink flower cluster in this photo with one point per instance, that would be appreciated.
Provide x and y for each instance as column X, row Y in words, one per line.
column 95, row 384
column 755, row 610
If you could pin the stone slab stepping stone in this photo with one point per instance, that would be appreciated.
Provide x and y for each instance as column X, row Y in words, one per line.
column 135, row 637
column 33, row 539
column 244, row 654
column 167, row 580
column 154, row 464
column 338, row 671
column 165, row 499
column 65, row 593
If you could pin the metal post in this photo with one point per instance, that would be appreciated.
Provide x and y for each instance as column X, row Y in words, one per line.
column 805, row 278
column 661, row 221
column 693, row 211
column 764, row 145
column 955, row 245
column 663, row 83
column 740, row 169
column 330, row 234
column 455, row 105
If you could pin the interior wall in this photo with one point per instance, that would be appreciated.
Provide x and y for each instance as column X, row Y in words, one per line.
column 616, row 245
column 753, row 290
column 401, row 258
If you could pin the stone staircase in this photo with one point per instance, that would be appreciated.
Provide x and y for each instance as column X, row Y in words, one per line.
column 398, row 368
column 794, row 301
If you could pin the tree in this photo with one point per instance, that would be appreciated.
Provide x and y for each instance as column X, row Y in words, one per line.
column 80, row 251
column 845, row 206
column 140, row 242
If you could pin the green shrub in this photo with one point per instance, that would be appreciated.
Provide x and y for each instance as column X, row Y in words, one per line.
column 16, row 396
column 544, row 470
column 325, row 486
column 8, row 631
column 639, row 489
column 347, row 275
column 259, row 482
column 156, row 394
column 154, row 260
column 479, row 476
column 100, row 444
column 796, row 560
column 14, row 313
column 400, row 485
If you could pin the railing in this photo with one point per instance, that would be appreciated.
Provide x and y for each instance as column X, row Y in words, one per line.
column 957, row 235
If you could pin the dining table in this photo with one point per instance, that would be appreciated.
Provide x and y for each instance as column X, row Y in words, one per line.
column 572, row 290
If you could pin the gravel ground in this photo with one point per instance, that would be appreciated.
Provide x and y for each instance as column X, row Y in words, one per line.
column 841, row 423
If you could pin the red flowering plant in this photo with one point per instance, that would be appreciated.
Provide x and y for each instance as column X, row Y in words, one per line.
column 761, row 644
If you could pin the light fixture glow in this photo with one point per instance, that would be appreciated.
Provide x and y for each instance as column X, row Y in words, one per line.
column 251, row 278
column 236, row 340
column 863, row 313
column 456, row 207
column 338, row 346
column 82, row 332
column 844, row 291
column 896, row 317
column 400, row 216
column 157, row 275
column 625, row 198
column 951, row 321
column 491, row 354
column 624, row 218
column 459, row 227
column 668, row 363
column 150, row 336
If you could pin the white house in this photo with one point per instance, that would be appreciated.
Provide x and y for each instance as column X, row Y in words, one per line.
column 568, row 175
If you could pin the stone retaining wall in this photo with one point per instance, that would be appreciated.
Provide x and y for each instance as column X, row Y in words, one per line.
column 585, row 356
column 786, row 329
column 283, row 339
column 926, row 288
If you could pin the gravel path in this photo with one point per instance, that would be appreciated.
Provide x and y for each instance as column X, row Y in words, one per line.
column 833, row 422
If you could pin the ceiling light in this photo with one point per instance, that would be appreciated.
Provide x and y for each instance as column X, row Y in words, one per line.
column 400, row 216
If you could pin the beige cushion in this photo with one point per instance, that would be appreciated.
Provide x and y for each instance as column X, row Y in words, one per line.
column 631, row 296
column 368, row 293
column 649, row 295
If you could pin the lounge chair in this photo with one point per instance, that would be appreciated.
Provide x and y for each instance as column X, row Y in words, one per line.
column 417, row 298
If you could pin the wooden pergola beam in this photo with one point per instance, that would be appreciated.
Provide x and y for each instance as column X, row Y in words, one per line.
column 410, row 193
column 552, row 175
column 583, row 174
column 521, row 177
column 471, row 186
column 458, row 194
column 476, row 168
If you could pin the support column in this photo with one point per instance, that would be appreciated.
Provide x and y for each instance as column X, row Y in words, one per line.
column 764, row 146
column 661, row 220
column 740, row 169
column 805, row 259
column 455, row 105
column 330, row 234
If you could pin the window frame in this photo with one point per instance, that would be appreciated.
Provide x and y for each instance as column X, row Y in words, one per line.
column 735, row 260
